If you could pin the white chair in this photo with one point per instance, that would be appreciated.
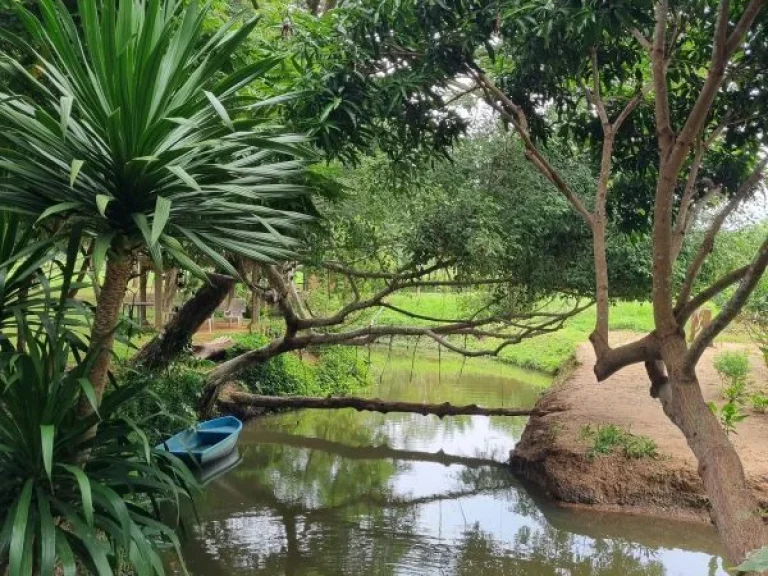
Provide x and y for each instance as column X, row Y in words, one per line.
column 235, row 311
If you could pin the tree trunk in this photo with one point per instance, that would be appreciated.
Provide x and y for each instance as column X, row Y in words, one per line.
column 106, row 316
column 225, row 372
column 176, row 335
column 255, row 323
column 735, row 510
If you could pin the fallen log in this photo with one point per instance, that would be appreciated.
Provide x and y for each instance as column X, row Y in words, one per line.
column 373, row 405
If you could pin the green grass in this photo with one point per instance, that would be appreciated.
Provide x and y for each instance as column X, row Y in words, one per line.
column 606, row 438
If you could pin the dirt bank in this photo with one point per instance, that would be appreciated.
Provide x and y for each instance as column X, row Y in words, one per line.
column 552, row 452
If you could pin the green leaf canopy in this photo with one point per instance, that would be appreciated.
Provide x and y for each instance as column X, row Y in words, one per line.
column 137, row 132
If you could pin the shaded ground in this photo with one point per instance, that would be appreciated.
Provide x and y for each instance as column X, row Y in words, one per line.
column 552, row 452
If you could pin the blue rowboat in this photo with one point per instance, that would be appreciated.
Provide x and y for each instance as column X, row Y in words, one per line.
column 206, row 442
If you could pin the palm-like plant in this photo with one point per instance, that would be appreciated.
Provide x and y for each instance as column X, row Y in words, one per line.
column 57, row 512
column 138, row 134
column 30, row 279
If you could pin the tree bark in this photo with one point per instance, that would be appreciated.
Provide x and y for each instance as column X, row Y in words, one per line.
column 106, row 316
column 374, row 405
column 255, row 323
column 735, row 510
column 176, row 335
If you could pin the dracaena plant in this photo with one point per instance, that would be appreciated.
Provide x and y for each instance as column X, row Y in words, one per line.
column 58, row 513
column 136, row 126
column 31, row 268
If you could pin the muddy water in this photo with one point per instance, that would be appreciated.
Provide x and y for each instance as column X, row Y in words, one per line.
column 325, row 493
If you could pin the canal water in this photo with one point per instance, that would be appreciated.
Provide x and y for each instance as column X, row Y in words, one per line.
column 326, row 493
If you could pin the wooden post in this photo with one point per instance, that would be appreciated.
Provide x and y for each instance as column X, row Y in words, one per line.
column 143, row 277
column 158, row 299
column 255, row 323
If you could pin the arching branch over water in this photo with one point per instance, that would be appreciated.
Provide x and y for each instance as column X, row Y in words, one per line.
column 236, row 399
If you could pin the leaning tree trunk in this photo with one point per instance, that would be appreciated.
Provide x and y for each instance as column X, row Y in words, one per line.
column 734, row 508
column 176, row 335
column 106, row 316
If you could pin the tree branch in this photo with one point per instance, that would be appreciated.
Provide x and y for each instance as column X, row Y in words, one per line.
column 744, row 192
column 596, row 98
column 731, row 308
column 515, row 115
column 659, row 70
column 642, row 40
column 685, row 311
column 375, row 405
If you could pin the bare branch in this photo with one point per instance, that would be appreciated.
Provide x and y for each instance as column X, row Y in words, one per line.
column 375, row 405
column 745, row 191
column 722, row 51
column 744, row 24
column 642, row 40
column 507, row 328
column 515, row 115
column 596, row 98
column 659, row 69
column 731, row 308
column 693, row 173
column 630, row 107
column 403, row 274
column 687, row 310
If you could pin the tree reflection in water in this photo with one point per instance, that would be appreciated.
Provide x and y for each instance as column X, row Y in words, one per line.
column 325, row 493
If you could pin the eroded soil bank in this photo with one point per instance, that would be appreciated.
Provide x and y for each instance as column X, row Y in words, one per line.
column 552, row 452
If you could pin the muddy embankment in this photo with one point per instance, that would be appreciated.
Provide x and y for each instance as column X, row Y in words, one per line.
column 553, row 451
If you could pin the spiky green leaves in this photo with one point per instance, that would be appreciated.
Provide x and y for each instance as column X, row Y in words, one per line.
column 56, row 511
column 137, row 130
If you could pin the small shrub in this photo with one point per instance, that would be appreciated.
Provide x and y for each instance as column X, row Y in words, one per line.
column 733, row 368
column 341, row 370
column 729, row 415
column 759, row 402
column 335, row 371
column 639, row 447
column 606, row 438
column 170, row 400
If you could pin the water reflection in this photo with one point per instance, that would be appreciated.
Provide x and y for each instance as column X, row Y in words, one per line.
column 346, row 493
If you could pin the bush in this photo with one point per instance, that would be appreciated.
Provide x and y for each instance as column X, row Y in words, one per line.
column 78, row 494
column 333, row 371
column 729, row 415
column 733, row 368
column 170, row 400
column 605, row 438
column 759, row 402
